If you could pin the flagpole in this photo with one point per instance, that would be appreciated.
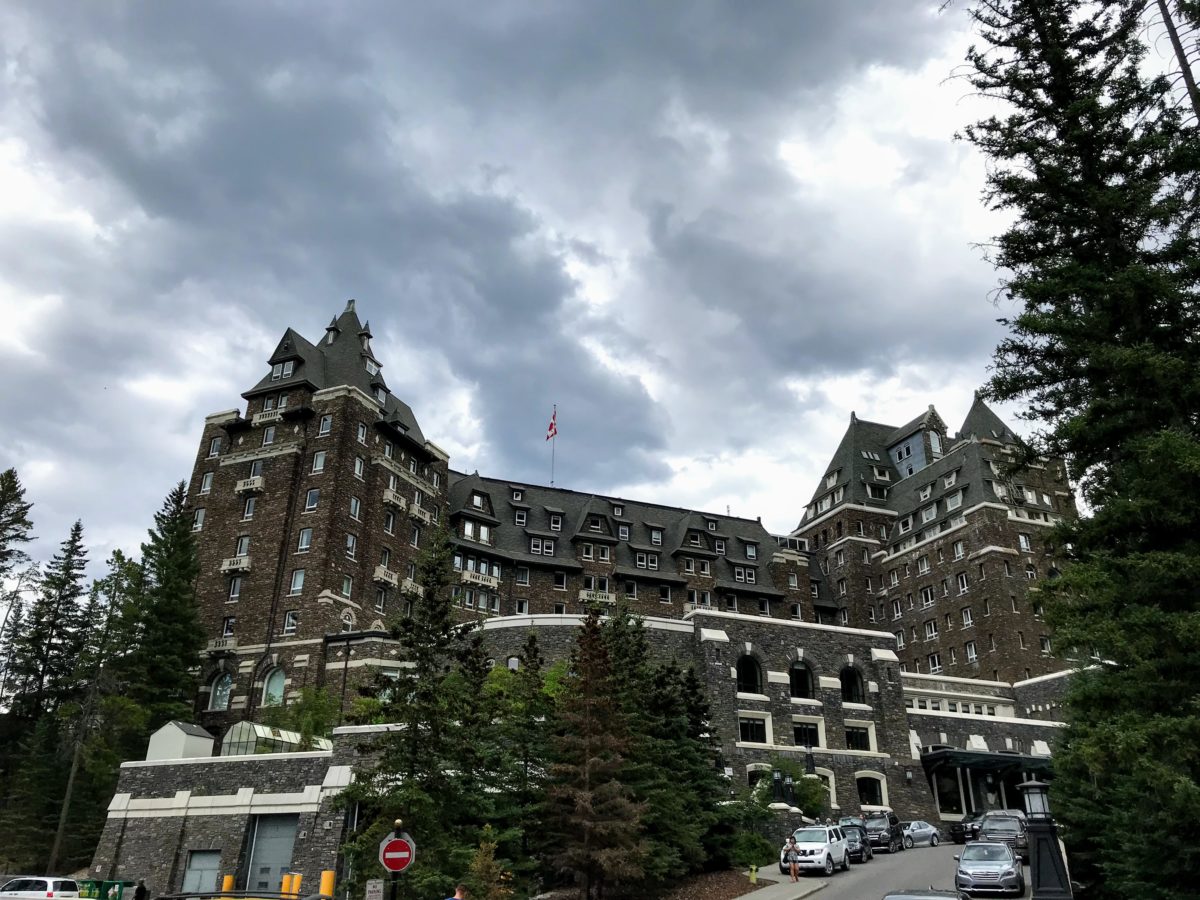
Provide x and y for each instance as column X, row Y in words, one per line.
column 553, row 441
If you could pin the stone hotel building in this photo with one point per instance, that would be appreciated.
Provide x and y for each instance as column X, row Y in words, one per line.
column 894, row 639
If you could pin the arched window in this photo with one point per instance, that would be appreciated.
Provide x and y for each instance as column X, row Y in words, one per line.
column 801, row 680
column 218, row 697
column 347, row 621
column 872, row 790
column 273, row 688
column 852, row 686
column 749, row 676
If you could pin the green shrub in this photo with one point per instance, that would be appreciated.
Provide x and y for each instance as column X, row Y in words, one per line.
column 752, row 849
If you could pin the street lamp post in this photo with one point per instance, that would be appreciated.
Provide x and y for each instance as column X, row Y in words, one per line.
column 789, row 794
column 1047, row 868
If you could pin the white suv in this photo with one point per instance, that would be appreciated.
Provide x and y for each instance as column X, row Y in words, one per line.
column 39, row 887
column 819, row 847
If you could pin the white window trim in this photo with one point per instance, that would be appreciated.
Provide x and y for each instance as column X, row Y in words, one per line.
column 819, row 721
column 755, row 714
column 872, row 743
column 878, row 776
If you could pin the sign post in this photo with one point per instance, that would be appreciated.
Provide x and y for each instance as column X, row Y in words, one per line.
column 374, row 889
column 397, row 852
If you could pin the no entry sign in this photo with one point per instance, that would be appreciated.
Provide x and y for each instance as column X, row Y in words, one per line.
column 397, row 852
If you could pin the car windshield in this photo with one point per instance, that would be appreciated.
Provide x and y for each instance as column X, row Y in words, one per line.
column 1001, row 825
column 877, row 824
column 986, row 853
column 809, row 835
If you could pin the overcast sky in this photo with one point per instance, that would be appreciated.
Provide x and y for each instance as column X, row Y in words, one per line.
column 707, row 231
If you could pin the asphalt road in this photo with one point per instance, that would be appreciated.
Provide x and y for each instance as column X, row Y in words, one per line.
column 918, row 867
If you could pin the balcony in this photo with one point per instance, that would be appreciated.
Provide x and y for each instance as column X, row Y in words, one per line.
column 597, row 597
column 487, row 581
column 251, row 485
column 267, row 417
column 394, row 498
column 411, row 477
column 216, row 645
column 384, row 575
column 411, row 587
column 421, row 515
column 236, row 564
column 693, row 607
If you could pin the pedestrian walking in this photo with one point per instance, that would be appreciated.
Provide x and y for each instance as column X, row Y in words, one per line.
column 792, row 855
column 141, row 892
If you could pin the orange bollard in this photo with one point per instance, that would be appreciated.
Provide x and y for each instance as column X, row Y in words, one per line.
column 286, row 887
column 296, row 879
column 226, row 884
column 327, row 883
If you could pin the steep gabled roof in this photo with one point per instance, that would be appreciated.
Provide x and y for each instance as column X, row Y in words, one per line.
column 861, row 436
column 982, row 422
column 927, row 419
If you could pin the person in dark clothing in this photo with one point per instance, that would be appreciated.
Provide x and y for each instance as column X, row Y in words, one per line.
column 141, row 892
column 460, row 893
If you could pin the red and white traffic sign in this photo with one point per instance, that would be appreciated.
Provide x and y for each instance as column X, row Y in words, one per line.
column 397, row 852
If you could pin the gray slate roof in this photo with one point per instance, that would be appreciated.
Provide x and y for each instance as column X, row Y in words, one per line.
column 982, row 422
column 512, row 542
column 342, row 362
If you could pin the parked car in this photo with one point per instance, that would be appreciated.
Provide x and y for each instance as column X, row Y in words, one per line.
column 965, row 830
column 920, row 833
column 39, row 887
column 852, row 820
column 858, row 845
column 821, row 848
column 884, row 831
column 987, row 867
column 1005, row 829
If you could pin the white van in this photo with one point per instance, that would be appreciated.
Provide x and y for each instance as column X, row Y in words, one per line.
column 39, row 887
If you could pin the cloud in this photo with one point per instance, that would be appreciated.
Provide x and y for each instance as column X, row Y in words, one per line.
column 687, row 225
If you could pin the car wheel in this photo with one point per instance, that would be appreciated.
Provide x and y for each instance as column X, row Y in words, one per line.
column 891, row 846
column 828, row 864
column 908, row 842
column 846, row 862
column 933, row 840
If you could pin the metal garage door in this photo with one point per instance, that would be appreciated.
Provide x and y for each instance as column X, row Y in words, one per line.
column 202, row 869
column 271, row 856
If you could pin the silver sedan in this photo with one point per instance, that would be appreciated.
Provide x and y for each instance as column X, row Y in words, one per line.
column 920, row 833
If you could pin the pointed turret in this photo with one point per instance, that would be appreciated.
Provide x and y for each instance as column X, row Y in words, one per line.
column 982, row 422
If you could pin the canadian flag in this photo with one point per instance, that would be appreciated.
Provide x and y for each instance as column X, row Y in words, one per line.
column 552, row 431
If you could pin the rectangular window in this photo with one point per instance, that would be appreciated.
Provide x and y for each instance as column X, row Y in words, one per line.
column 519, row 517
column 929, row 513
column 585, row 551
column 318, row 464
column 347, row 586
column 291, row 621
column 227, row 626
column 198, row 519
column 623, row 532
column 1044, row 642
column 689, row 565
column 971, row 652
column 380, row 599
column 897, row 611
column 793, row 580
column 297, row 582
column 214, row 447
column 311, row 498
column 752, row 551
column 359, row 466
column 962, row 582
column 268, row 436
column 556, row 523
column 415, row 540
column 899, row 635
column 954, row 501
column 522, row 574
column 1026, row 542
column 560, row 581
column 927, row 597
column 839, row 558
column 389, row 523
column 602, row 554
column 806, row 734
column 959, row 550
column 361, row 434
column 235, row 588
column 841, row 583
column 752, row 730
column 351, row 545
column 355, row 508
column 664, row 593
column 906, row 524
column 243, row 545
column 931, row 630
column 206, row 481
column 326, row 426
column 935, row 663
column 720, row 547
column 858, row 738
column 967, row 618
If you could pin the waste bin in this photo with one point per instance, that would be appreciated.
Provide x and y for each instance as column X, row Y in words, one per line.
column 94, row 889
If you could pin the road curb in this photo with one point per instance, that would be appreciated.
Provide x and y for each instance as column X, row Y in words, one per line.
column 783, row 890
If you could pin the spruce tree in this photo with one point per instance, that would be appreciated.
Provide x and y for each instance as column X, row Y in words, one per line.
column 589, row 808
column 163, row 620
column 43, row 657
column 1098, row 167
column 16, row 529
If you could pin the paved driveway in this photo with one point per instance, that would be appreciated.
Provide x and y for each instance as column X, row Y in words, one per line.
column 918, row 867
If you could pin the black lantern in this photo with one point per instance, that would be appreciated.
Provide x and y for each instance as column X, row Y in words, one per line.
column 1047, row 868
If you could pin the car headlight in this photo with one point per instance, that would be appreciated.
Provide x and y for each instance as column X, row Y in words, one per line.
column 1008, row 873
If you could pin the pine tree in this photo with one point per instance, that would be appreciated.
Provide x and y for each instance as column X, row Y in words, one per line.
column 589, row 808
column 43, row 657
column 1101, row 173
column 163, row 624
column 16, row 529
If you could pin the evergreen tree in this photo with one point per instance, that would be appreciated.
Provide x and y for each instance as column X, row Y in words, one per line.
column 419, row 775
column 33, row 792
column 589, row 808
column 1100, row 171
column 43, row 659
column 165, row 631
column 16, row 529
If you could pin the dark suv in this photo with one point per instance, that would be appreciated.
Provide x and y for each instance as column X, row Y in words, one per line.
column 884, row 831
column 1008, row 830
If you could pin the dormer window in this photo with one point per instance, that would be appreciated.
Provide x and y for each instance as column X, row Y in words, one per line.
column 594, row 523
column 372, row 367
column 831, row 478
column 656, row 536
column 380, row 395
column 926, row 491
column 752, row 551
column 477, row 501
column 880, row 473
column 518, row 494
column 712, row 526
column 556, row 523
column 282, row 370
column 618, row 511
column 694, row 539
